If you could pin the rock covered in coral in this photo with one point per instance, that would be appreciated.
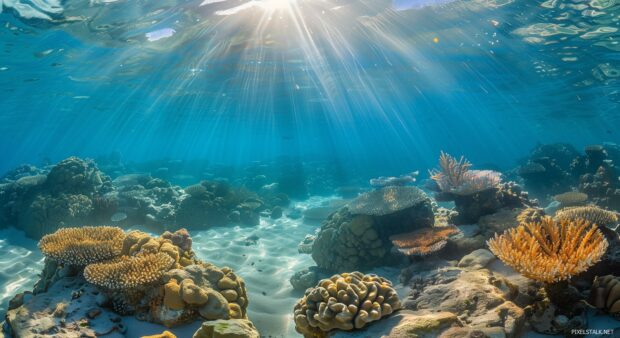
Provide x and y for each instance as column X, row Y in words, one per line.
column 350, row 240
column 232, row 328
column 304, row 279
column 345, row 301
column 477, row 258
column 47, row 213
column 605, row 294
column 480, row 298
column 217, row 203
column 75, row 176
column 406, row 323
column 157, row 279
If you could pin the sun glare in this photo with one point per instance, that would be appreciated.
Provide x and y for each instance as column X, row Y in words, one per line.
column 278, row 4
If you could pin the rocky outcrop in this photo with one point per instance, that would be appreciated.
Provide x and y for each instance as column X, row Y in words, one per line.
column 357, row 236
column 232, row 328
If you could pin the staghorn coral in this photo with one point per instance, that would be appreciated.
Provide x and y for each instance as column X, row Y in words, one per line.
column 455, row 176
column 550, row 251
column 592, row 214
column 83, row 246
column 529, row 215
column 129, row 272
column 605, row 294
column 423, row 241
column 571, row 198
column 345, row 301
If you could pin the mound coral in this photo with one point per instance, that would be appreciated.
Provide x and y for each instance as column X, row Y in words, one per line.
column 357, row 236
column 345, row 301
column 592, row 214
column 455, row 176
column 129, row 272
column 605, row 294
column 423, row 241
column 387, row 200
column 571, row 198
column 83, row 246
column 550, row 251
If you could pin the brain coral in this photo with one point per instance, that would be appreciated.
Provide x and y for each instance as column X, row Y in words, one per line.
column 346, row 301
column 592, row 214
column 550, row 251
column 129, row 272
column 83, row 246
column 605, row 294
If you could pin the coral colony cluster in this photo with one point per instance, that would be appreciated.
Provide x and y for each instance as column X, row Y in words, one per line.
column 478, row 256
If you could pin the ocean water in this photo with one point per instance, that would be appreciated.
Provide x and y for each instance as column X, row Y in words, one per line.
column 310, row 98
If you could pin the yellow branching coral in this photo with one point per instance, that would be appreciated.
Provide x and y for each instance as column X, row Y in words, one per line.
column 83, row 246
column 455, row 177
column 129, row 272
column 592, row 214
column 550, row 251
column 529, row 215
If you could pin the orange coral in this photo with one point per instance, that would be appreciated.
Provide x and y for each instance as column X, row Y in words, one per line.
column 423, row 241
column 550, row 251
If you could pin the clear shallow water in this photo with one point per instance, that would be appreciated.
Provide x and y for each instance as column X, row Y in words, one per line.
column 371, row 87
column 361, row 82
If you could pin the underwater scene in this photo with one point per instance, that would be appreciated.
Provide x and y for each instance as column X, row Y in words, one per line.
column 309, row 168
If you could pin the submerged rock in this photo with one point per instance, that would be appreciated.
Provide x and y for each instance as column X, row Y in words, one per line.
column 357, row 236
column 232, row 328
column 407, row 323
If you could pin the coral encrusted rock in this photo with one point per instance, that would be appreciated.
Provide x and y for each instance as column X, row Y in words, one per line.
column 232, row 328
column 155, row 279
column 605, row 294
column 344, row 302
column 357, row 235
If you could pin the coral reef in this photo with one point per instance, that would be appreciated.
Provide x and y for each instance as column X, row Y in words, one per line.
column 357, row 236
column 155, row 279
column 481, row 299
column 83, row 246
column 346, row 301
column 550, row 251
column 592, row 214
column 423, row 241
column 455, row 176
column 475, row 192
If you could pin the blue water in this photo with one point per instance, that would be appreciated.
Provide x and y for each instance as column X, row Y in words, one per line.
column 378, row 86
